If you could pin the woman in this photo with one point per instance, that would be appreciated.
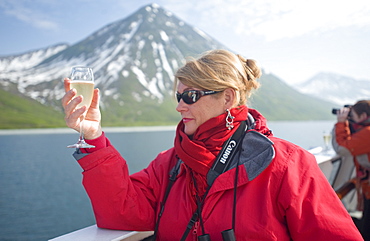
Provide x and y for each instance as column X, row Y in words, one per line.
column 225, row 173
column 358, row 144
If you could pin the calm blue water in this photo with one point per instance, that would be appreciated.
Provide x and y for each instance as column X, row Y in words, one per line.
column 41, row 195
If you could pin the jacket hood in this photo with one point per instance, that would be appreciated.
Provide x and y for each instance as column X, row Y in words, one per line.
column 260, row 122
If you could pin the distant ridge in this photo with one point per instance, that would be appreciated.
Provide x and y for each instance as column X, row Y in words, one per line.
column 134, row 60
column 336, row 88
column 65, row 130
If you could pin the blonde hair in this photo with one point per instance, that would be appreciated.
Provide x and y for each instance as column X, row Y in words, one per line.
column 218, row 70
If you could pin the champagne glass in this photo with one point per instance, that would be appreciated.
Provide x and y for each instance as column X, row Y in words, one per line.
column 82, row 79
column 327, row 138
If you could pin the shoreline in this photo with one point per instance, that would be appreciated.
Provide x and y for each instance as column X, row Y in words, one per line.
column 70, row 131
column 65, row 130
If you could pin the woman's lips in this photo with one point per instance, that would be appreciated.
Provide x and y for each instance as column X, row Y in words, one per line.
column 186, row 120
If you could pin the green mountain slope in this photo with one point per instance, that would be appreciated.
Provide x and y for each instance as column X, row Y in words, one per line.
column 134, row 60
column 278, row 101
column 274, row 99
column 20, row 112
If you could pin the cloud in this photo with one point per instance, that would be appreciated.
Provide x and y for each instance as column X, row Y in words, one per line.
column 275, row 20
column 29, row 13
column 315, row 16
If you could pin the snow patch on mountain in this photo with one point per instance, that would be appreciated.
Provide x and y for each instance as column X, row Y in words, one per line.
column 335, row 88
column 28, row 60
column 144, row 49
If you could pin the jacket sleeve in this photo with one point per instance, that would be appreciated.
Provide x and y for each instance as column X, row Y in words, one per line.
column 121, row 201
column 311, row 208
column 357, row 143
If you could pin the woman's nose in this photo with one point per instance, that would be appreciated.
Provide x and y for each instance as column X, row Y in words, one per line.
column 181, row 106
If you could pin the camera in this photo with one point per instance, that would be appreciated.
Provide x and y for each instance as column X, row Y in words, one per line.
column 335, row 111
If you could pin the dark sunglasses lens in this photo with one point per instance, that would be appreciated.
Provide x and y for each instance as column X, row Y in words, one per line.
column 189, row 97
column 178, row 96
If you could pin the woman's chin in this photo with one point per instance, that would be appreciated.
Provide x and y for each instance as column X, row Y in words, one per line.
column 189, row 130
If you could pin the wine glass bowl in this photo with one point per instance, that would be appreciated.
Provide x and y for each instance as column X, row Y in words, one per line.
column 327, row 139
column 82, row 80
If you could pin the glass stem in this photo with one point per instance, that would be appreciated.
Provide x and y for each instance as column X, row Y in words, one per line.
column 82, row 129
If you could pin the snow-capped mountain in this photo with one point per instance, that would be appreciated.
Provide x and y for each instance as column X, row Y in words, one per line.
column 336, row 88
column 29, row 59
column 133, row 61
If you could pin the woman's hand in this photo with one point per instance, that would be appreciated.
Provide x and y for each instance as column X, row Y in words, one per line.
column 92, row 126
column 342, row 114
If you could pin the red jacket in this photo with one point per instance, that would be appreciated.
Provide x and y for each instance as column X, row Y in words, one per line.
column 282, row 195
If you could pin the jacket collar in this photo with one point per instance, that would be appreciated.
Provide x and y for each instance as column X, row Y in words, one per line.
column 256, row 155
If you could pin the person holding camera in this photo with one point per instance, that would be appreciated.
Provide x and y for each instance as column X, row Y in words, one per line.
column 226, row 178
column 352, row 131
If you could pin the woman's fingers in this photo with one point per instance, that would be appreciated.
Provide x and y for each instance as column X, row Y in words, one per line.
column 95, row 99
column 70, row 102
column 342, row 115
column 67, row 84
column 72, row 114
column 73, row 119
column 70, row 93
column 68, row 97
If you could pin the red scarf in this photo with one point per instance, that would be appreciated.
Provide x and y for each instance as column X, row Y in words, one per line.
column 200, row 151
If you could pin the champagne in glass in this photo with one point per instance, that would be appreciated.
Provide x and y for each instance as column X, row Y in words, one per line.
column 82, row 79
column 84, row 88
column 327, row 138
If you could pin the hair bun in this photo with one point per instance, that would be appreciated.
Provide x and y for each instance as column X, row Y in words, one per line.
column 252, row 68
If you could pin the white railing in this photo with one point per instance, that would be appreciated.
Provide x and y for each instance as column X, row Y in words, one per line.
column 93, row 233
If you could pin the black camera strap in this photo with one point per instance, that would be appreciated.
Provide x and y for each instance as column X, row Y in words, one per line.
column 224, row 158
column 222, row 163
column 173, row 175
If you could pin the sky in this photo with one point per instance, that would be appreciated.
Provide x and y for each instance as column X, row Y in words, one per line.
column 293, row 39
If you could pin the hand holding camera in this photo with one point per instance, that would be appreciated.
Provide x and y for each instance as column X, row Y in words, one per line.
column 343, row 114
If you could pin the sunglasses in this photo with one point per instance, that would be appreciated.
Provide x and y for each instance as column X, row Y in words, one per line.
column 192, row 96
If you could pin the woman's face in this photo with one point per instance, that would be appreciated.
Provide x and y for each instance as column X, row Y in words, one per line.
column 358, row 118
column 205, row 108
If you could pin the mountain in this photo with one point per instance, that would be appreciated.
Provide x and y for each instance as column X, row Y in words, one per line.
column 335, row 88
column 21, row 112
column 278, row 101
column 28, row 60
column 134, row 61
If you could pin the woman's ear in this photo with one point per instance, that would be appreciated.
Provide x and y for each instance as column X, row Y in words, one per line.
column 230, row 98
